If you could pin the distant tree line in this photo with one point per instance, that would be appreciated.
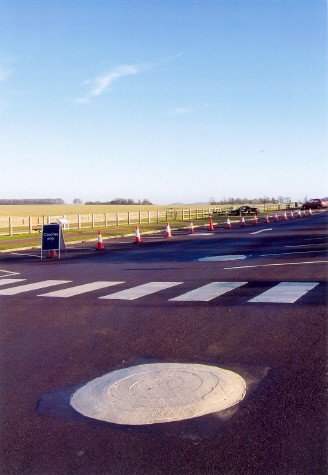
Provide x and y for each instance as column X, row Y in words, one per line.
column 120, row 201
column 263, row 200
column 45, row 201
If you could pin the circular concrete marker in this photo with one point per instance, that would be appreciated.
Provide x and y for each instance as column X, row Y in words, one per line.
column 234, row 257
column 160, row 392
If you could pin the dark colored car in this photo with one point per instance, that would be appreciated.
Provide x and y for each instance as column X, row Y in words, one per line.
column 244, row 210
column 316, row 203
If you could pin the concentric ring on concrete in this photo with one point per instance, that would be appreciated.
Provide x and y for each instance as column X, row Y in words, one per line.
column 159, row 392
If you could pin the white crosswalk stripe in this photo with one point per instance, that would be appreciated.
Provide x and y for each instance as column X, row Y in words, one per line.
column 141, row 290
column 27, row 287
column 9, row 281
column 80, row 289
column 208, row 292
column 285, row 292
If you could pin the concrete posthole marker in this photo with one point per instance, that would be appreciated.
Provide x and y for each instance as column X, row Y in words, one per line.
column 159, row 392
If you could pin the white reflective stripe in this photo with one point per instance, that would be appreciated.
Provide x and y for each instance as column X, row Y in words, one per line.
column 37, row 285
column 285, row 292
column 141, row 290
column 9, row 281
column 208, row 292
column 79, row 289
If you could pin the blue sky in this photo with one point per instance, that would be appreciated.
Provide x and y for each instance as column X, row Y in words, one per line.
column 169, row 100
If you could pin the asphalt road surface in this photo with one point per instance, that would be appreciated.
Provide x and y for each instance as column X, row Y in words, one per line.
column 252, row 300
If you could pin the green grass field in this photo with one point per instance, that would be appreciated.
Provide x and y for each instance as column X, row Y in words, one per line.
column 60, row 210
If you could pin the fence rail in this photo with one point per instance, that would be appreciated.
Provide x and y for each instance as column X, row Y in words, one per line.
column 17, row 225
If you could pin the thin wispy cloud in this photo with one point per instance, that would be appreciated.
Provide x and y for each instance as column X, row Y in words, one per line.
column 103, row 83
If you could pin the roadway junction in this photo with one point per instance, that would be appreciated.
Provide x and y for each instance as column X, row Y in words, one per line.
column 200, row 353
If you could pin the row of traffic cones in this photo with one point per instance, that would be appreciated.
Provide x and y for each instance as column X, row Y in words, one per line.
column 168, row 234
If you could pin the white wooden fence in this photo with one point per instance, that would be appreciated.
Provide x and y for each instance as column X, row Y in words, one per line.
column 16, row 225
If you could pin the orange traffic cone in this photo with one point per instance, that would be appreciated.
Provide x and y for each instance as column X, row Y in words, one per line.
column 310, row 212
column 285, row 216
column 299, row 214
column 52, row 254
column 276, row 217
column 100, row 244
column 255, row 220
column 211, row 227
column 228, row 225
column 242, row 222
column 291, row 215
column 267, row 220
column 138, row 238
column 191, row 228
column 168, row 231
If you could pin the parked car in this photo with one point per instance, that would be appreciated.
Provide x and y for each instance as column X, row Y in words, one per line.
column 315, row 203
column 244, row 210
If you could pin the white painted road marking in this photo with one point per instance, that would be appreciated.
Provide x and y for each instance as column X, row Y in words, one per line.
column 141, row 290
column 9, row 281
column 285, row 292
column 293, row 252
column 80, row 289
column 37, row 285
column 208, row 292
column 8, row 273
column 283, row 264
column 262, row 231
column 232, row 257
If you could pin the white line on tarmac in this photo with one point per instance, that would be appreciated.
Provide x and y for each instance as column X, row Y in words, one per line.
column 9, row 281
column 141, row 290
column 284, row 264
column 262, row 231
column 294, row 252
column 285, row 292
column 22, row 254
column 8, row 273
column 37, row 285
column 80, row 289
column 305, row 245
column 208, row 292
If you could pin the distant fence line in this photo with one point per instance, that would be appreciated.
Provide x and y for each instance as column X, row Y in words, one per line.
column 16, row 225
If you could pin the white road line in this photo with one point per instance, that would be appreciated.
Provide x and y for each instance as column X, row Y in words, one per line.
column 294, row 252
column 222, row 258
column 79, row 289
column 208, row 292
column 141, row 290
column 285, row 292
column 283, row 264
column 37, row 285
column 24, row 254
column 305, row 245
column 262, row 231
column 8, row 273
column 9, row 281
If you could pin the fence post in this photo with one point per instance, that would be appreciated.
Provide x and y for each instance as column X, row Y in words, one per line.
column 10, row 226
column 148, row 216
column 129, row 218
column 30, row 225
column 158, row 216
column 117, row 220
column 93, row 220
column 105, row 220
